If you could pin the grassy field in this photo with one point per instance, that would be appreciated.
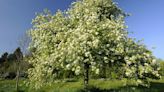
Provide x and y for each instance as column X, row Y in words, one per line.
column 77, row 86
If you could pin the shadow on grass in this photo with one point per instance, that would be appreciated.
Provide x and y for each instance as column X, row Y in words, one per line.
column 155, row 87
column 158, row 86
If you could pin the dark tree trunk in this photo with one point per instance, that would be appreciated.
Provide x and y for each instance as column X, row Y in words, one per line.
column 103, row 74
column 137, row 72
column 86, row 76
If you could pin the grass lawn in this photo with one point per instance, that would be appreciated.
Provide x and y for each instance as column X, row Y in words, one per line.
column 77, row 86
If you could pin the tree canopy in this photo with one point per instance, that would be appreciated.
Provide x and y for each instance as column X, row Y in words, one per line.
column 90, row 32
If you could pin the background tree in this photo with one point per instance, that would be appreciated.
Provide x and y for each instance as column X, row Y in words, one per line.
column 8, row 66
column 3, row 62
column 19, row 57
column 4, row 57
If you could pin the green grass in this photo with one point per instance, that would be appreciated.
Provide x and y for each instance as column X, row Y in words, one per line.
column 10, row 85
column 77, row 86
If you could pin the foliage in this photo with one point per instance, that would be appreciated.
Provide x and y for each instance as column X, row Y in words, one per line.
column 140, row 63
column 92, row 33
column 162, row 67
column 8, row 65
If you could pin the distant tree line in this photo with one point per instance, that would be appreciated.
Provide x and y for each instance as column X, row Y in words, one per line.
column 8, row 66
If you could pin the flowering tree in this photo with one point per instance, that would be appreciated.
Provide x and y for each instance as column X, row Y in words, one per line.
column 86, row 37
column 140, row 64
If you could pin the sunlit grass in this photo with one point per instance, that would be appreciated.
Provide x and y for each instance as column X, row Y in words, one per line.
column 96, row 85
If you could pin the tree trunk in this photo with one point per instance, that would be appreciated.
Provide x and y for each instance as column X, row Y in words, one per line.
column 17, row 77
column 86, row 76
column 137, row 72
column 103, row 74
column 19, row 56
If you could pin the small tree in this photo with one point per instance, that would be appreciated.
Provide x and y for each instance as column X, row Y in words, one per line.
column 19, row 57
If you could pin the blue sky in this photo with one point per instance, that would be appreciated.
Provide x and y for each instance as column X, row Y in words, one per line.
column 146, row 21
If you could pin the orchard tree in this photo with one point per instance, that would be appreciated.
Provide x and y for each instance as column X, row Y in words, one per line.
column 140, row 64
column 86, row 37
